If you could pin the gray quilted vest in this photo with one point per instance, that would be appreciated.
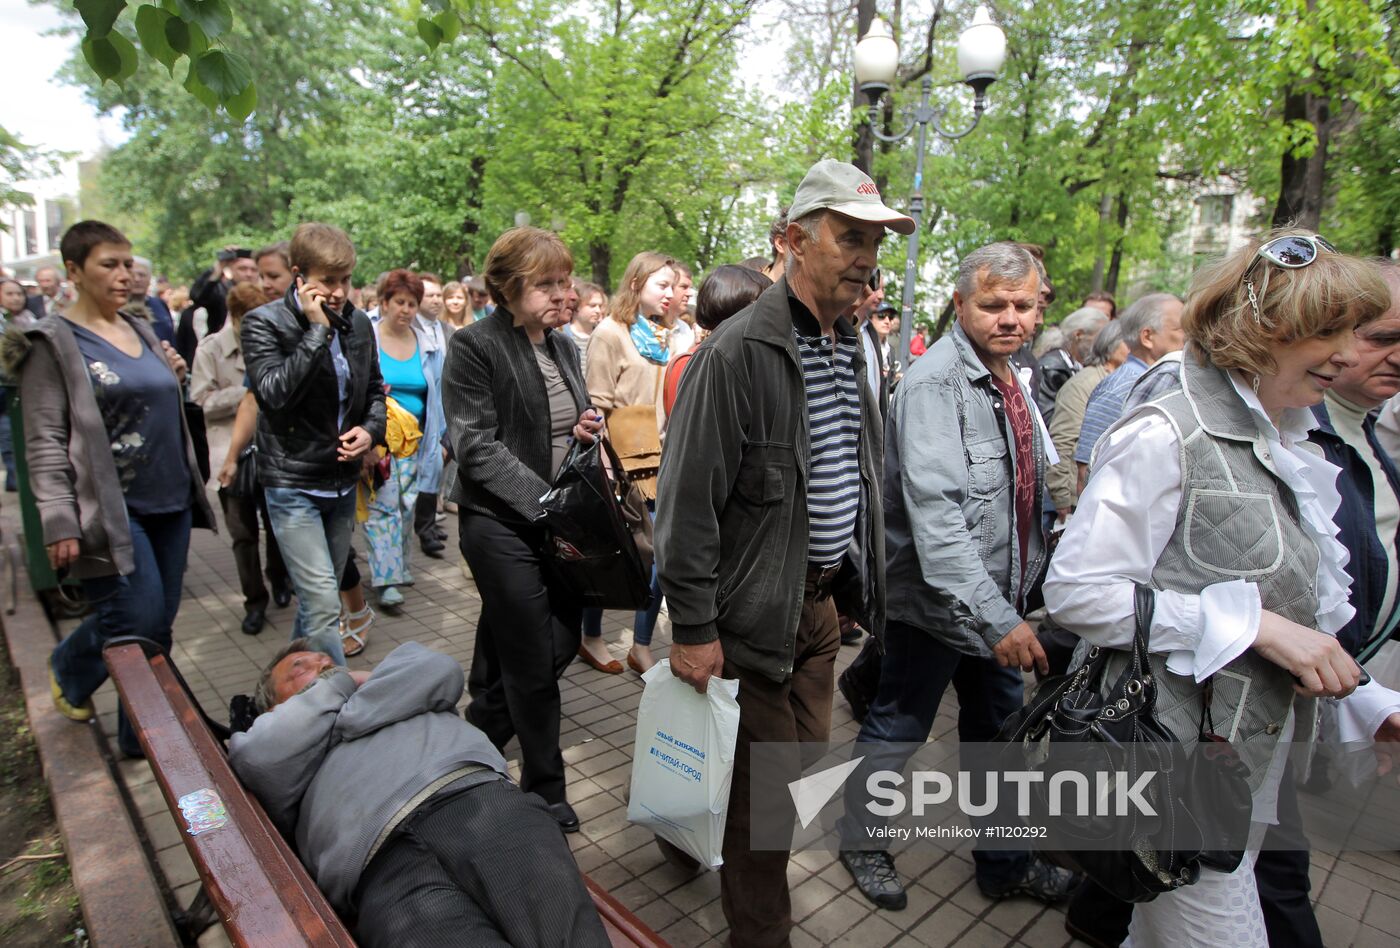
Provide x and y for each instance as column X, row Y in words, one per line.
column 1237, row 520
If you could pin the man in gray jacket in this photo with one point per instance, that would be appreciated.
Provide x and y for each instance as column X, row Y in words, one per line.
column 401, row 811
column 964, row 477
column 768, row 506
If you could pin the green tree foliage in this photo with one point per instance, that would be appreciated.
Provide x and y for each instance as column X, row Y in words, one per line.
column 19, row 161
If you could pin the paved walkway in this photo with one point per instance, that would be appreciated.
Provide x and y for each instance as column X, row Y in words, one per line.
column 1358, row 896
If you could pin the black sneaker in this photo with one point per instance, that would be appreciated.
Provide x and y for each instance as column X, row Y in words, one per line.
column 1043, row 880
column 860, row 707
column 876, row 877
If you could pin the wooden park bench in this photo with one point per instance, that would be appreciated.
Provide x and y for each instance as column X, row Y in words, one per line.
column 251, row 878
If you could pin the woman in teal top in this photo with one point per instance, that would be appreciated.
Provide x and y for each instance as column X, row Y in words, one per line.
column 411, row 364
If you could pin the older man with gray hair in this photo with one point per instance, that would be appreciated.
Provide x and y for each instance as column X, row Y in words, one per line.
column 964, row 474
column 140, row 292
column 769, row 512
column 1152, row 329
column 1060, row 363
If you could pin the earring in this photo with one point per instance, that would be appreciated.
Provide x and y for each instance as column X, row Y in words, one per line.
column 1254, row 383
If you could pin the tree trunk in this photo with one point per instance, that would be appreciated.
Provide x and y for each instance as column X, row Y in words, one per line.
column 1304, row 177
column 1115, row 262
column 1105, row 208
column 600, row 262
column 944, row 318
column 863, row 144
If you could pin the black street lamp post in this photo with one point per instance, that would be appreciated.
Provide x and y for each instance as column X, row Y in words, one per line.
column 981, row 52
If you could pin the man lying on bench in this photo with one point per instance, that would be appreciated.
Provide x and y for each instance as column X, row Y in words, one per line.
column 401, row 810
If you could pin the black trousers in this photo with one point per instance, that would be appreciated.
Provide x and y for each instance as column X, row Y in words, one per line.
column 527, row 636
column 485, row 866
column 425, row 519
column 241, row 516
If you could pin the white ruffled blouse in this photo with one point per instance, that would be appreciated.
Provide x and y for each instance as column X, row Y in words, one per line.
column 1125, row 519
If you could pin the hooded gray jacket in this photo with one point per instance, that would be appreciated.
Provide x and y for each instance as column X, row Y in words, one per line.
column 69, row 454
column 335, row 764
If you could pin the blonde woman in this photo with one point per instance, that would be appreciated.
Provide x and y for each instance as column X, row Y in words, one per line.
column 1208, row 495
column 455, row 311
column 627, row 357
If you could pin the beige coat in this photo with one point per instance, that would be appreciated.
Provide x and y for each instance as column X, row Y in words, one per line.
column 617, row 375
column 1070, row 403
column 216, row 385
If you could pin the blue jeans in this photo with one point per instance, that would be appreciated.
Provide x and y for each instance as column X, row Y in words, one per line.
column 314, row 535
column 644, row 622
column 7, row 442
column 144, row 604
column 915, row 672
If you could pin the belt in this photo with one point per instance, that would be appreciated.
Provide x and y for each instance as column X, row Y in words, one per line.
column 820, row 580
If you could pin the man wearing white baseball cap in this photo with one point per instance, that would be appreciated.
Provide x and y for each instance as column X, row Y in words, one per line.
column 769, row 506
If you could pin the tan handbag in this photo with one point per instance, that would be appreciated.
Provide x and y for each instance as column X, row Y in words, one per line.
column 637, row 440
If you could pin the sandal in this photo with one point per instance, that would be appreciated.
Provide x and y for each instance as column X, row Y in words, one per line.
column 353, row 627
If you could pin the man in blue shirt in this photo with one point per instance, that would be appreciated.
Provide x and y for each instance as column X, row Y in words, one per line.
column 1151, row 328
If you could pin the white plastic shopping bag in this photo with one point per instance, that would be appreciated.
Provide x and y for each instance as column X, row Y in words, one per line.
column 683, row 762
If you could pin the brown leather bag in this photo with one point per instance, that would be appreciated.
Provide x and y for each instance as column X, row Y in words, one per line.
column 636, row 438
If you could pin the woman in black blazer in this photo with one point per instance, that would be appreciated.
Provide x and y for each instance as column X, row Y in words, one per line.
column 514, row 396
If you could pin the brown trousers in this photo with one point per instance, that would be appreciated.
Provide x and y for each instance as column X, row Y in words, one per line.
column 753, row 885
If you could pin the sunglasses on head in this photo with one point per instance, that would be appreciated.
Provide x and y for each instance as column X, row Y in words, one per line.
column 1292, row 252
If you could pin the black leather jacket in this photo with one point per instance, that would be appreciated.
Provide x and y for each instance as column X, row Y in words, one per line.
column 288, row 360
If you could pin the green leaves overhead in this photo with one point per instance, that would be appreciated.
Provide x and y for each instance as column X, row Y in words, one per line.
column 169, row 32
column 213, row 16
column 151, row 22
column 225, row 74
column 99, row 15
column 112, row 57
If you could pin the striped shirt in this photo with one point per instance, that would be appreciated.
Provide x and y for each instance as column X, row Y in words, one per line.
column 1106, row 405
column 833, row 414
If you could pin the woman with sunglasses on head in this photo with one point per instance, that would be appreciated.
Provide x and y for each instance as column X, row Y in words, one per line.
column 514, row 397
column 1207, row 495
column 111, row 464
column 627, row 358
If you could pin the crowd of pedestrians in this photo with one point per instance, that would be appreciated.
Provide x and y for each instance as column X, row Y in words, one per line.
column 967, row 512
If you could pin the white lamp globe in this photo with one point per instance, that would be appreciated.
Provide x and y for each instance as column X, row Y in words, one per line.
column 981, row 48
column 877, row 55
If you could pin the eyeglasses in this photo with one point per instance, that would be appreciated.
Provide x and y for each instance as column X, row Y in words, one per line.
column 1292, row 252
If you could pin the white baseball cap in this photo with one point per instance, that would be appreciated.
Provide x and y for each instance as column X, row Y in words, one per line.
column 842, row 187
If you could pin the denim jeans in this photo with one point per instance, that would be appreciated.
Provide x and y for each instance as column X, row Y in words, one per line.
column 144, row 604
column 916, row 670
column 644, row 621
column 7, row 443
column 314, row 534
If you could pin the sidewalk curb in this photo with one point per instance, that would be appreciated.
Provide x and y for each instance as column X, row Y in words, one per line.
column 121, row 901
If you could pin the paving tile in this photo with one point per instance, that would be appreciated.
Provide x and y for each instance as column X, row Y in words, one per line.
column 810, row 896
column 1337, row 929
column 1368, row 937
column 1345, row 895
column 1383, row 912
column 836, row 918
column 943, row 926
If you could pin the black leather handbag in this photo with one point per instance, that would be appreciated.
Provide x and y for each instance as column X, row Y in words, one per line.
column 1200, row 796
column 598, row 533
column 245, row 474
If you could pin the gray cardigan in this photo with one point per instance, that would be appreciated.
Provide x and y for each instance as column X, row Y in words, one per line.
column 68, row 453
